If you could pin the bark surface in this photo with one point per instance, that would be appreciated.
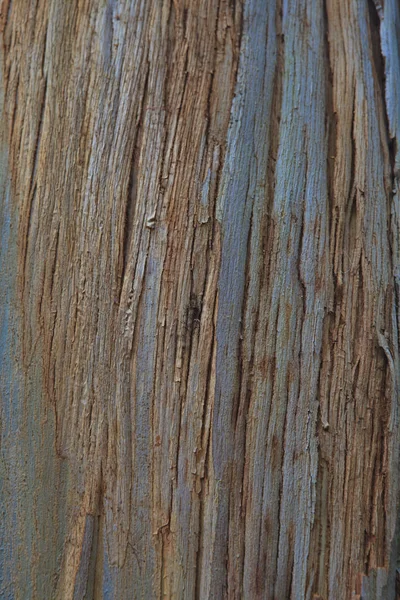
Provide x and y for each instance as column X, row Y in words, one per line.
column 199, row 304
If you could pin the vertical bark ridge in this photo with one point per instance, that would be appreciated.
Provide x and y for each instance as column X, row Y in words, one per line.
column 389, row 17
column 356, row 388
column 241, row 211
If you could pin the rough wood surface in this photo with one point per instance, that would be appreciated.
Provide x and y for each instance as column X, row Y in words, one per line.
column 199, row 304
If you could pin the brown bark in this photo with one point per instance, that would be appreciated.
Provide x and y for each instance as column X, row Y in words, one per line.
column 200, row 272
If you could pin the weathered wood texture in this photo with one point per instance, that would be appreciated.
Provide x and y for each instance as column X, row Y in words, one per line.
column 200, row 270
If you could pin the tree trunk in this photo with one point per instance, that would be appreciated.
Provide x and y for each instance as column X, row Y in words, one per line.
column 200, row 271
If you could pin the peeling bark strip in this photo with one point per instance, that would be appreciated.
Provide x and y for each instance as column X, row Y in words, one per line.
column 200, row 290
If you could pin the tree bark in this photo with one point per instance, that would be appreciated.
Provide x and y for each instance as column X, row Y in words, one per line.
column 199, row 306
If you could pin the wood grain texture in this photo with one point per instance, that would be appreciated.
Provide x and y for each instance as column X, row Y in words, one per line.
column 200, row 267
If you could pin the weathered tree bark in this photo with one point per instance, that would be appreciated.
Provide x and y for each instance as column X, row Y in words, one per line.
column 200, row 270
